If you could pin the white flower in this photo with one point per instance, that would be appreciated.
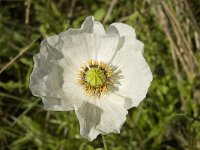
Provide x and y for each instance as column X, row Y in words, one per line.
column 99, row 74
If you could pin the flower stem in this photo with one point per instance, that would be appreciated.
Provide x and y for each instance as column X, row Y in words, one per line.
column 104, row 142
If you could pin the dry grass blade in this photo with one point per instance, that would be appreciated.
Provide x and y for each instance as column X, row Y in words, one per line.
column 28, row 5
column 19, row 55
column 112, row 4
column 178, row 31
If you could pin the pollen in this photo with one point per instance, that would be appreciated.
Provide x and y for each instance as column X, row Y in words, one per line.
column 95, row 77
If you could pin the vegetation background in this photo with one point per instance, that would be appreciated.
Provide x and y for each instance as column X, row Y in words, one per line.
column 168, row 119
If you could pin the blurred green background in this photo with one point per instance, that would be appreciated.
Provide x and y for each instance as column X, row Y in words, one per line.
column 168, row 119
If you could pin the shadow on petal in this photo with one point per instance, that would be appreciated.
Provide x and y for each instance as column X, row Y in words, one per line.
column 89, row 116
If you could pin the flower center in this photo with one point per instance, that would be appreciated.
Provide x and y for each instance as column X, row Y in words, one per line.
column 95, row 77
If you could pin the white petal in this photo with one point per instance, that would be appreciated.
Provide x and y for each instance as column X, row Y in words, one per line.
column 136, row 75
column 136, row 72
column 138, row 46
column 88, row 26
column 113, row 115
column 46, row 78
column 104, row 115
column 51, row 48
column 54, row 42
column 122, row 29
column 89, row 42
column 72, row 90
column 56, row 104
column 109, row 45
column 80, row 48
column 89, row 117
column 91, row 26
column 129, row 35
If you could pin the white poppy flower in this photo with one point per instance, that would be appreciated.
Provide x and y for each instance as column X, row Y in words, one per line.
column 99, row 74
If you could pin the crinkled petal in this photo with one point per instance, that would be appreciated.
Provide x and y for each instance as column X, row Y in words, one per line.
column 129, row 59
column 72, row 90
column 46, row 79
column 91, row 26
column 89, row 42
column 88, row 26
column 56, row 104
column 88, row 46
column 108, row 48
column 89, row 117
column 104, row 115
column 122, row 29
column 128, row 33
column 46, row 70
column 136, row 76
column 113, row 116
